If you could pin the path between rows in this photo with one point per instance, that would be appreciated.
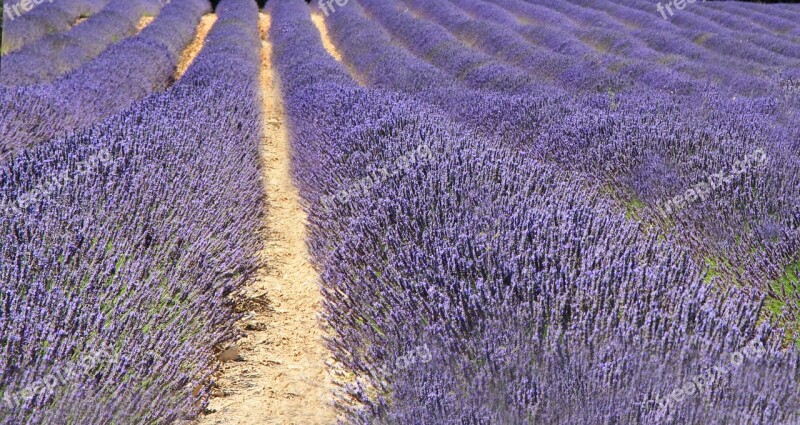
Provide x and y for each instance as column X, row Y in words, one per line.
column 281, row 377
column 330, row 47
column 144, row 21
column 319, row 22
column 191, row 51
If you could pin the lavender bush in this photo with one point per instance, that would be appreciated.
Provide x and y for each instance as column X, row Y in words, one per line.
column 57, row 54
column 128, row 71
column 47, row 18
column 119, row 278
column 543, row 300
column 586, row 239
column 580, row 132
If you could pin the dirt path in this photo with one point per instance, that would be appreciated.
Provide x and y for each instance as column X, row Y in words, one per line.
column 144, row 21
column 327, row 42
column 191, row 51
column 281, row 378
column 319, row 22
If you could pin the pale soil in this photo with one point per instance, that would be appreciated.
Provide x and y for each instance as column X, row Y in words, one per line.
column 327, row 42
column 191, row 51
column 281, row 377
column 144, row 21
column 319, row 22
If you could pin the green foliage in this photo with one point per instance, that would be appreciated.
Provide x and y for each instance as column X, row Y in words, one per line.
column 784, row 289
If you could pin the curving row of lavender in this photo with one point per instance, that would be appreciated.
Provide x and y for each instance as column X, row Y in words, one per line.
column 755, row 221
column 641, row 143
column 123, row 74
column 633, row 57
column 504, row 253
column 21, row 27
column 490, row 193
column 57, row 54
column 121, row 243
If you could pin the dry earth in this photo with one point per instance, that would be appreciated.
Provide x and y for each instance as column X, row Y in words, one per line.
column 327, row 42
column 281, row 377
column 144, row 21
column 319, row 22
column 191, row 51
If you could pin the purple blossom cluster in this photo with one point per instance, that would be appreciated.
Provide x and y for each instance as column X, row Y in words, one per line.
column 529, row 254
column 21, row 27
column 135, row 258
column 634, row 141
column 123, row 74
column 57, row 54
column 476, row 70
column 485, row 182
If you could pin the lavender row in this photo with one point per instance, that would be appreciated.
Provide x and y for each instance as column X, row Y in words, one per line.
column 122, row 243
column 631, row 64
column 608, row 35
column 760, row 241
column 770, row 9
column 370, row 51
column 651, row 175
column 630, row 57
column 719, row 40
column 125, row 73
column 587, row 73
column 21, row 27
column 380, row 63
column 301, row 68
column 652, row 32
column 642, row 162
column 748, row 51
column 746, row 232
column 754, row 222
column 432, row 43
column 777, row 19
column 536, row 300
column 502, row 109
column 633, row 57
column 744, row 39
column 57, row 54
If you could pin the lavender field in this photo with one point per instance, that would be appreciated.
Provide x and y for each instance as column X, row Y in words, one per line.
column 399, row 212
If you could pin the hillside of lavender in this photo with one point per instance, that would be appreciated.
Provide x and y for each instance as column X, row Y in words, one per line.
column 521, row 211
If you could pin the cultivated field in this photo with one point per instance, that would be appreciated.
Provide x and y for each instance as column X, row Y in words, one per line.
column 399, row 212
